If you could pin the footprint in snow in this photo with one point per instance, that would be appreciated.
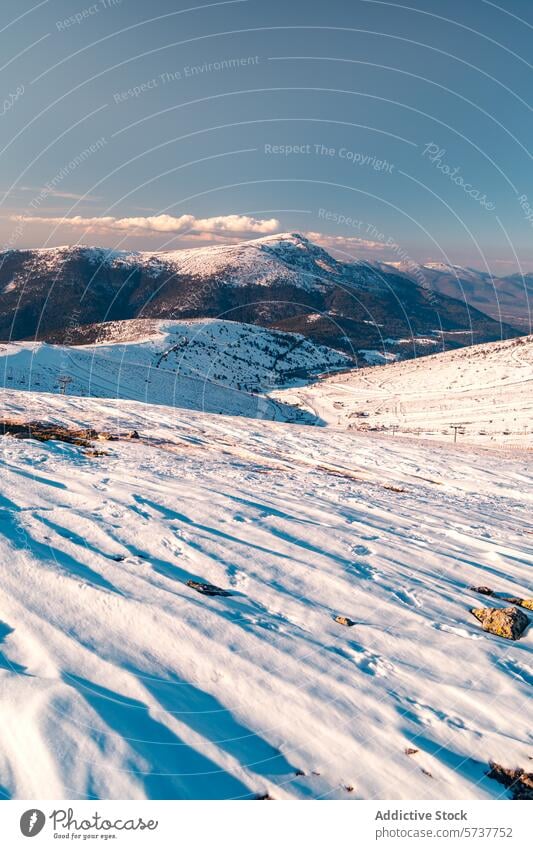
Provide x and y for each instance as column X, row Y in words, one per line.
column 459, row 632
column 361, row 550
column 518, row 670
column 170, row 545
column 265, row 624
column 369, row 662
column 407, row 597
column 363, row 570
column 376, row 665
column 427, row 715
column 237, row 578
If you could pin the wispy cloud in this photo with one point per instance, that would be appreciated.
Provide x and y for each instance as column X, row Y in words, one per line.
column 183, row 224
column 53, row 193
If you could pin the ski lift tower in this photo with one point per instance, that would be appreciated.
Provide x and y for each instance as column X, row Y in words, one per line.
column 457, row 428
column 64, row 381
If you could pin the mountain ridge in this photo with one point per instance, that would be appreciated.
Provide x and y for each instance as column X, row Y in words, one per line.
column 282, row 281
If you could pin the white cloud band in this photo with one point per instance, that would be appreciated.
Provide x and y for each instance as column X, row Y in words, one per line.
column 183, row 224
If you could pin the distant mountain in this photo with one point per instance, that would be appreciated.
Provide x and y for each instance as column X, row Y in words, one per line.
column 509, row 299
column 282, row 282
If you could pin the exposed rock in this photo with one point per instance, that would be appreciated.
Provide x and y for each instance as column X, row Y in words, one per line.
column 207, row 589
column 343, row 620
column 133, row 434
column 264, row 797
column 522, row 602
column 44, row 431
column 409, row 751
column 520, row 782
column 349, row 788
column 107, row 437
column 507, row 622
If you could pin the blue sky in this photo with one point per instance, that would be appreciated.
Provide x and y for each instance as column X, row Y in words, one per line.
column 386, row 130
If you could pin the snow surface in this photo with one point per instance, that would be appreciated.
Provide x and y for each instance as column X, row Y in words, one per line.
column 119, row 681
column 487, row 388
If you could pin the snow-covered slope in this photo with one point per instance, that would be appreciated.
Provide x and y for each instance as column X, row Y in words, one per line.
column 487, row 388
column 210, row 365
column 120, row 681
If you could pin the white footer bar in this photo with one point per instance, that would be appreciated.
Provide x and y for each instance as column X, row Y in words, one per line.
column 357, row 824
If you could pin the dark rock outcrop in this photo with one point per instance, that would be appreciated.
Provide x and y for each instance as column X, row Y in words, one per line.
column 519, row 782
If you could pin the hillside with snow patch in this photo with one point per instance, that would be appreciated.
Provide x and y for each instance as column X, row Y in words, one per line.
column 217, row 366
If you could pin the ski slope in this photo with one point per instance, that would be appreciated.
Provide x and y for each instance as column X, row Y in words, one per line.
column 120, row 681
column 209, row 364
column 488, row 389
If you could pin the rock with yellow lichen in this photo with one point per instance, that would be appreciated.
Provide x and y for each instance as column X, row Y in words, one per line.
column 507, row 622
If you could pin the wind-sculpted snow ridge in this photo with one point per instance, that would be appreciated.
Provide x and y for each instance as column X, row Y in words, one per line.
column 212, row 365
column 121, row 680
column 486, row 390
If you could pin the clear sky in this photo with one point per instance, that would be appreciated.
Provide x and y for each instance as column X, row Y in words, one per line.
column 388, row 130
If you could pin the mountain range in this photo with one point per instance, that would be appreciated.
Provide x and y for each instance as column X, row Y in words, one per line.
column 507, row 298
column 282, row 282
